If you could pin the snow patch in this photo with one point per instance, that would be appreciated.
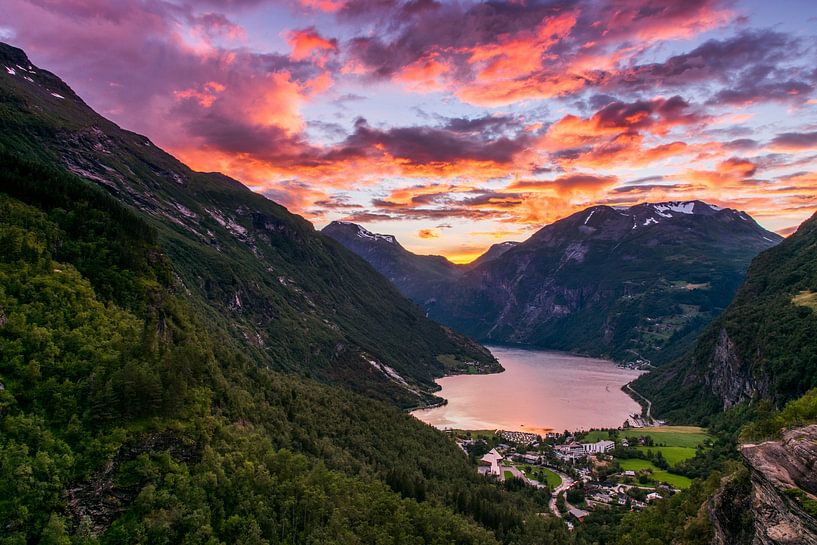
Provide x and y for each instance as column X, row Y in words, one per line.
column 28, row 79
column 363, row 233
column 590, row 215
column 680, row 207
column 650, row 221
column 58, row 96
column 11, row 71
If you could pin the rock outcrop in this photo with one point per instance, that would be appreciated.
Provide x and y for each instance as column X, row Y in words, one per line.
column 729, row 377
column 783, row 493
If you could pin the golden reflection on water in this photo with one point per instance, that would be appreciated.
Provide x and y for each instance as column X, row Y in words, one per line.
column 538, row 392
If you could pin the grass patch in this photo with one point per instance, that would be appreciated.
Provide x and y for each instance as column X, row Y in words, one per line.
column 553, row 480
column 673, row 455
column 508, row 475
column 671, row 436
column 595, row 436
column 658, row 475
column 541, row 474
column 636, row 464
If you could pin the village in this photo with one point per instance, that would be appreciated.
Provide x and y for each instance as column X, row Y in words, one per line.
column 622, row 469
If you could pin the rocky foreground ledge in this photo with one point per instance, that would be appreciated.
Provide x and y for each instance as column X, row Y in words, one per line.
column 779, row 497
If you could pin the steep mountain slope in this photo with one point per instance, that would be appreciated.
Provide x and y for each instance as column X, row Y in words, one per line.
column 635, row 283
column 763, row 346
column 130, row 414
column 127, row 416
column 418, row 277
column 294, row 299
column 494, row 252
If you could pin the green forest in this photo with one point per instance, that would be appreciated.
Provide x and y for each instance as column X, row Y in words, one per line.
column 127, row 418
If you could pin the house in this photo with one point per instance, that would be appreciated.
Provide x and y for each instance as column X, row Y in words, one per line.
column 491, row 462
column 529, row 458
column 570, row 450
column 652, row 496
column 598, row 448
column 578, row 513
column 629, row 473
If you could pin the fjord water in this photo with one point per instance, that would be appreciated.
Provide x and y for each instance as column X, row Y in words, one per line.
column 539, row 391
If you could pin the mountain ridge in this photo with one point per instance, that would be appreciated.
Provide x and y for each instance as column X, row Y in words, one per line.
column 761, row 347
column 262, row 273
column 645, row 256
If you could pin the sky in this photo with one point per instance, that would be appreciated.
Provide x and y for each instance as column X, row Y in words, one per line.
column 457, row 124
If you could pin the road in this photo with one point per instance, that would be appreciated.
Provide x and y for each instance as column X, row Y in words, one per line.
column 567, row 482
column 647, row 401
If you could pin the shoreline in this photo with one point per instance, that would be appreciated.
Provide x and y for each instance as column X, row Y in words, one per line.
column 558, row 368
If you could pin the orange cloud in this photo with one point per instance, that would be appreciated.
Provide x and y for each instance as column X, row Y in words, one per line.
column 205, row 97
column 309, row 44
column 425, row 74
column 428, row 233
column 329, row 6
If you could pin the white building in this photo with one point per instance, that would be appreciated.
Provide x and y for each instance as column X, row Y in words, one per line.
column 598, row 448
column 570, row 450
column 491, row 461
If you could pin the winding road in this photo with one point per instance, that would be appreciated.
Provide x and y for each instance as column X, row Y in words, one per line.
column 566, row 483
column 647, row 401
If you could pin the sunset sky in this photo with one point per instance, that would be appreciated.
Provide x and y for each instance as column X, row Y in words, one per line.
column 454, row 125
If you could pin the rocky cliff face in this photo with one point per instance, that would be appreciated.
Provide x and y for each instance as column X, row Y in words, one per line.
column 418, row 277
column 626, row 283
column 764, row 345
column 781, row 499
column 730, row 378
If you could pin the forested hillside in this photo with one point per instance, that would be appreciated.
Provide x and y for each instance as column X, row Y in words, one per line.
column 637, row 283
column 126, row 418
column 293, row 299
column 763, row 347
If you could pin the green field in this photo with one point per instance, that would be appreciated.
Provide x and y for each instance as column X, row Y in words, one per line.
column 670, row 436
column 553, row 480
column 596, row 435
column 532, row 472
column 658, row 475
column 673, row 455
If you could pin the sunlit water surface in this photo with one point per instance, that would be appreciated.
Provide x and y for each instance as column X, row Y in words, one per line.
column 538, row 392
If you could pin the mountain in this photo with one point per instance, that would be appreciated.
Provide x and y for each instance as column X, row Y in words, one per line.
column 492, row 253
column 132, row 411
column 418, row 277
column 629, row 284
column 294, row 299
column 763, row 346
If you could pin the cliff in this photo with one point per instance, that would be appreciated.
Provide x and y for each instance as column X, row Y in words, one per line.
column 777, row 505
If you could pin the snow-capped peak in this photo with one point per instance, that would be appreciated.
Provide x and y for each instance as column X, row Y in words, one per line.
column 364, row 233
column 675, row 206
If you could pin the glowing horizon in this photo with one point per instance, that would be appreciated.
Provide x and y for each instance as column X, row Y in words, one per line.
column 456, row 125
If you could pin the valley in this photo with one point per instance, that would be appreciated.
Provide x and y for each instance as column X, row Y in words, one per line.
column 668, row 270
column 189, row 357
